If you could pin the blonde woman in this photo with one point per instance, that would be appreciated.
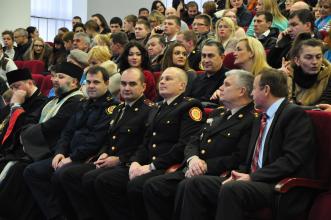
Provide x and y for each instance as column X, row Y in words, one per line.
column 39, row 51
column 250, row 55
column 279, row 21
column 240, row 32
column 225, row 33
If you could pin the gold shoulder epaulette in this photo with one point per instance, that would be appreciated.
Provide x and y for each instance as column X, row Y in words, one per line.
column 149, row 103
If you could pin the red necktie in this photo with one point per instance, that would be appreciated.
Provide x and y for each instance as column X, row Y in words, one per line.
column 258, row 144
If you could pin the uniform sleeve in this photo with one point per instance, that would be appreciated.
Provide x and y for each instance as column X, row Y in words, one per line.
column 188, row 127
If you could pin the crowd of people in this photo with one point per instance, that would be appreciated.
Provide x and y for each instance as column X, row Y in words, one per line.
column 128, row 103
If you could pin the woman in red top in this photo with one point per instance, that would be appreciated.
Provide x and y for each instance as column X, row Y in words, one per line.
column 135, row 55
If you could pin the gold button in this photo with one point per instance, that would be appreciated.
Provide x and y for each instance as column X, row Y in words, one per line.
column 203, row 151
column 154, row 145
column 209, row 140
column 113, row 148
column 114, row 137
column 129, row 130
column 154, row 133
column 153, row 158
column 136, row 109
column 168, row 122
column 229, row 134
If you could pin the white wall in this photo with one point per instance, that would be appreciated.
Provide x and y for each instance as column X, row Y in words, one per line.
column 119, row 8
column 14, row 14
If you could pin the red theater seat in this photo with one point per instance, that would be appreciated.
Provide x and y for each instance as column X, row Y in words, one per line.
column 35, row 66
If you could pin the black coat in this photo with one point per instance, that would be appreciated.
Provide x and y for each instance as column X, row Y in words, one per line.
column 289, row 146
column 127, row 129
column 86, row 130
column 223, row 143
column 32, row 109
column 169, row 129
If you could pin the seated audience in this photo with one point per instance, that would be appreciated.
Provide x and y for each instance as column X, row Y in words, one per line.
column 225, row 33
column 115, row 24
column 79, row 27
column 102, row 23
column 128, row 26
column 39, row 51
column 244, row 16
column 323, row 23
column 142, row 31
column 155, row 47
column 6, row 65
column 23, row 44
column 240, row 32
column 8, row 44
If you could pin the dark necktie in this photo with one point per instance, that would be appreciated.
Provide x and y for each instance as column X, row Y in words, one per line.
column 125, row 109
column 258, row 144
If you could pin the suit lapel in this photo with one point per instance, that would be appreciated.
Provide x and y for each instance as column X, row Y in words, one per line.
column 271, row 129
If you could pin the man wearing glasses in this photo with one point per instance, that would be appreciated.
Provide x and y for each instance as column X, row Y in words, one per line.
column 201, row 26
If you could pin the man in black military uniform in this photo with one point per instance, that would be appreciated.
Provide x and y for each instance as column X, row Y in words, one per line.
column 80, row 140
column 126, row 132
column 218, row 149
column 38, row 138
column 169, row 128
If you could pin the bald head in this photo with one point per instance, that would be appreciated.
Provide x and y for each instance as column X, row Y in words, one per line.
column 299, row 6
column 173, row 82
column 171, row 11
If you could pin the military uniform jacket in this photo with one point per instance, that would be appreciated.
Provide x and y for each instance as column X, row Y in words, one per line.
column 169, row 129
column 86, row 130
column 127, row 129
column 31, row 112
column 223, row 142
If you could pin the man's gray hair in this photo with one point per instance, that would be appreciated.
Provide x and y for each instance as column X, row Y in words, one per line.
column 22, row 32
column 244, row 79
column 84, row 37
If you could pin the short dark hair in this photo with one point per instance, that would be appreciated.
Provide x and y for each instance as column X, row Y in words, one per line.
column 267, row 15
column 160, row 38
column 91, row 24
column 120, row 38
column 189, row 35
column 131, row 18
column 215, row 43
column 142, row 9
column 145, row 23
column 69, row 36
column 31, row 30
column 116, row 20
column 10, row 33
column 276, row 80
column 77, row 17
column 174, row 18
column 305, row 16
column 78, row 25
column 141, row 74
column 297, row 47
column 64, row 29
column 192, row 4
column 96, row 69
column 205, row 17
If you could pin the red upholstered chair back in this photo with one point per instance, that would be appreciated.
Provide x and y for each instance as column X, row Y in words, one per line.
column 157, row 76
column 321, row 207
column 322, row 124
column 19, row 64
column 35, row 66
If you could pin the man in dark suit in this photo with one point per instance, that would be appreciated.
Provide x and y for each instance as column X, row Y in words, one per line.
column 281, row 145
column 204, row 85
column 218, row 149
column 169, row 128
column 126, row 132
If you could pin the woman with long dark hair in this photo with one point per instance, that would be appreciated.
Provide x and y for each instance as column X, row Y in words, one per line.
column 135, row 55
column 101, row 21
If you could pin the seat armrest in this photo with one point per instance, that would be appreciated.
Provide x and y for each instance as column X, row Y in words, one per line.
column 288, row 183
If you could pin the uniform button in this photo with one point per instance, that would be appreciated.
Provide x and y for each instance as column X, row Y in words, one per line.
column 154, row 145
column 129, row 130
column 168, row 122
column 113, row 148
column 229, row 134
column 154, row 133
column 209, row 140
column 153, row 158
column 114, row 137
column 203, row 151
